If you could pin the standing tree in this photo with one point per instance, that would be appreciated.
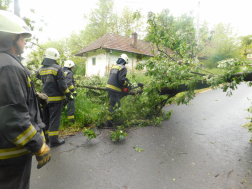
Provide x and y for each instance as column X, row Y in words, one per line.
column 4, row 4
column 246, row 44
column 224, row 45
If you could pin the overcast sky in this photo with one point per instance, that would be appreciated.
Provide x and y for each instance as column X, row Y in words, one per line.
column 65, row 16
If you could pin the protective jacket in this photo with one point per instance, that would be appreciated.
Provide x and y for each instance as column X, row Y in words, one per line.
column 69, row 79
column 53, row 79
column 117, row 77
column 20, row 122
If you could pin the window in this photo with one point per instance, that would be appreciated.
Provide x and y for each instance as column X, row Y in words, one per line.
column 93, row 61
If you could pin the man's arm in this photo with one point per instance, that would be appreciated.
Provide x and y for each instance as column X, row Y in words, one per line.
column 14, row 114
column 122, row 77
column 62, row 82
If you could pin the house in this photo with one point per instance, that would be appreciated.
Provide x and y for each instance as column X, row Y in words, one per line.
column 249, row 56
column 103, row 53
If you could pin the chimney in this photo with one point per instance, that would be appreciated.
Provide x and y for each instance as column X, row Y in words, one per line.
column 134, row 39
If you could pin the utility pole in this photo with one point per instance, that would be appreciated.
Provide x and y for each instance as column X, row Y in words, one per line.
column 16, row 8
column 197, row 29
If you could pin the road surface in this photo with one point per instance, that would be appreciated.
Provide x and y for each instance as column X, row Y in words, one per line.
column 202, row 146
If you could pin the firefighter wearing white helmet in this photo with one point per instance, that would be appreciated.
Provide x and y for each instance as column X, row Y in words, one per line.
column 117, row 83
column 21, row 126
column 68, row 70
column 52, row 53
column 125, row 58
column 55, row 87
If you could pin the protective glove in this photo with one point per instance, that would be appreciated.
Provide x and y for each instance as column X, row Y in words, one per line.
column 74, row 93
column 43, row 99
column 71, row 97
column 129, row 86
column 43, row 156
column 125, row 89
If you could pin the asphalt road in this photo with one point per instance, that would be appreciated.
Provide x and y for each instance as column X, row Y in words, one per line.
column 202, row 146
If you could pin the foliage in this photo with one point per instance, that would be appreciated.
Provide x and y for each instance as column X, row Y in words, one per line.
column 138, row 149
column 118, row 134
column 223, row 45
column 245, row 45
column 89, row 133
column 176, row 33
column 130, row 22
column 4, row 4
column 169, row 70
column 249, row 125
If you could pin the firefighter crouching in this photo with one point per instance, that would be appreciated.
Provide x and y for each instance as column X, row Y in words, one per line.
column 68, row 70
column 21, row 126
column 116, row 82
column 55, row 87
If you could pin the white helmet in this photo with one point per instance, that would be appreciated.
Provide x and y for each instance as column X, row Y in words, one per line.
column 125, row 57
column 10, row 23
column 69, row 64
column 52, row 53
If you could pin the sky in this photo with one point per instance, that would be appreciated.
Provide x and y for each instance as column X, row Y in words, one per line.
column 62, row 17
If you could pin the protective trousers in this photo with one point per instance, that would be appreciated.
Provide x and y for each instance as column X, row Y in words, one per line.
column 113, row 99
column 16, row 176
column 52, row 118
column 70, row 109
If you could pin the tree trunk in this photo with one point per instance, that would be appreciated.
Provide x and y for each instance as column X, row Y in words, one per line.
column 172, row 92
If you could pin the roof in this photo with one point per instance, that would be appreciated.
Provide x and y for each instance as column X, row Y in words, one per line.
column 121, row 43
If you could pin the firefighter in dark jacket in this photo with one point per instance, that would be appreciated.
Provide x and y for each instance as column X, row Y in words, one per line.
column 21, row 127
column 55, row 87
column 116, row 82
column 68, row 70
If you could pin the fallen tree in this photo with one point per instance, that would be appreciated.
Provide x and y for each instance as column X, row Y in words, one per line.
column 247, row 76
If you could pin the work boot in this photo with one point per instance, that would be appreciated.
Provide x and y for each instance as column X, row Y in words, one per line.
column 55, row 141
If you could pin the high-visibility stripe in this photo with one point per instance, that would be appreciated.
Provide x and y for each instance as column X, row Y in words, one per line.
column 56, row 98
column 47, row 72
column 13, row 152
column 125, row 83
column 117, row 67
column 42, row 134
column 114, row 87
column 53, row 133
column 29, row 81
column 70, row 87
column 24, row 137
column 70, row 117
column 46, row 132
column 49, row 68
column 66, row 91
column 65, row 74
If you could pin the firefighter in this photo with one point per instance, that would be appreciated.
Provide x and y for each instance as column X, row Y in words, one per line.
column 55, row 87
column 116, row 82
column 21, row 127
column 68, row 70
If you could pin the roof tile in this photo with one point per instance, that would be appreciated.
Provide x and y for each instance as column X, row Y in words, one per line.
column 122, row 43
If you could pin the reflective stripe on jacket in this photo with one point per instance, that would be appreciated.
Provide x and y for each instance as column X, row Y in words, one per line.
column 69, row 79
column 54, row 83
column 117, row 77
column 20, row 121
